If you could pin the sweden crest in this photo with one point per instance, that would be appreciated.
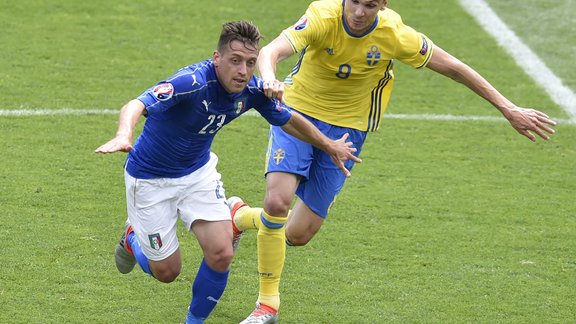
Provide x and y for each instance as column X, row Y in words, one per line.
column 279, row 155
column 373, row 56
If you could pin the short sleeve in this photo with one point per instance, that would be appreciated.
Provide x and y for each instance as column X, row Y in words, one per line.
column 305, row 31
column 413, row 48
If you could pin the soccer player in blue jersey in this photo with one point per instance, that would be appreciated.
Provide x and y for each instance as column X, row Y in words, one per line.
column 342, row 82
column 170, row 172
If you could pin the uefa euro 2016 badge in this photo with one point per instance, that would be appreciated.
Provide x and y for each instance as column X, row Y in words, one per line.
column 278, row 105
column 373, row 55
column 239, row 106
column 163, row 91
column 424, row 48
column 301, row 23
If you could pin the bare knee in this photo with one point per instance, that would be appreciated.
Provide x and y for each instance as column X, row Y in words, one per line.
column 168, row 269
column 275, row 205
column 219, row 260
column 299, row 234
column 298, row 239
column 166, row 275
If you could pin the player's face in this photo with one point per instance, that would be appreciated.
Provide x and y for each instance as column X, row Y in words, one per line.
column 235, row 65
column 360, row 14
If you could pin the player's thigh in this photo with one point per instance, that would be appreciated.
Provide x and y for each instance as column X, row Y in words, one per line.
column 280, row 190
column 203, row 202
column 322, row 186
column 214, row 237
column 211, row 223
column 325, row 180
column 153, row 214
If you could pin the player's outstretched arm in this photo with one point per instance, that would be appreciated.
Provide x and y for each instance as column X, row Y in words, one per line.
column 339, row 150
column 279, row 49
column 122, row 142
column 525, row 121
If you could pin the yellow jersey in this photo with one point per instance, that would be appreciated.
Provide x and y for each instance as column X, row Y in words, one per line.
column 346, row 80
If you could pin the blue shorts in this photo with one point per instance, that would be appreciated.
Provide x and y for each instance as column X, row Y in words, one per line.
column 321, row 179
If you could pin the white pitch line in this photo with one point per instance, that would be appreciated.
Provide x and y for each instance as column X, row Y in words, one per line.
column 86, row 112
column 523, row 55
column 52, row 112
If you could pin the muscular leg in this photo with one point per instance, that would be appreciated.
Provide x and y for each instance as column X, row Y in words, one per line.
column 280, row 189
column 215, row 239
column 166, row 270
column 302, row 224
column 211, row 236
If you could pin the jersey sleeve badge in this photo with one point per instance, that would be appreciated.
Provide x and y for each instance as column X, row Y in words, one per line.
column 301, row 23
column 279, row 106
column 424, row 48
column 163, row 91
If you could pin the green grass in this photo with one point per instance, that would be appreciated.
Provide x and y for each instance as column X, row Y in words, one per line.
column 444, row 222
column 556, row 42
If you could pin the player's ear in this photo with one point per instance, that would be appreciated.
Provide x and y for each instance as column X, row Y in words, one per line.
column 384, row 4
column 216, row 57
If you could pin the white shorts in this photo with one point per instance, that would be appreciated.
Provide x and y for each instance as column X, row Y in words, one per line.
column 154, row 206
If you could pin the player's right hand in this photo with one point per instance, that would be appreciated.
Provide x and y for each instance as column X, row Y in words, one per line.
column 117, row 144
column 529, row 121
column 274, row 89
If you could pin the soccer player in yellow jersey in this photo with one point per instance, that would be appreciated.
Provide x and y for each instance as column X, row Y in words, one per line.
column 341, row 83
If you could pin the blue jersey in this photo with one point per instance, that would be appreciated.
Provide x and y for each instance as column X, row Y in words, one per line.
column 184, row 113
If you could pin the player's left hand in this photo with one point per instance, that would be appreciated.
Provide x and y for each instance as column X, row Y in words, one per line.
column 528, row 122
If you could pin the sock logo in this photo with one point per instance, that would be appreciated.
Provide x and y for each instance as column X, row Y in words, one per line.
column 212, row 299
column 155, row 241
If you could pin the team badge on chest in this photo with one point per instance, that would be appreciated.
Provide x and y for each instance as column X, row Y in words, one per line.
column 239, row 106
column 373, row 56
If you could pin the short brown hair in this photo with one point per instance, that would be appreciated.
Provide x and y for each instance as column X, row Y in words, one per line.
column 243, row 31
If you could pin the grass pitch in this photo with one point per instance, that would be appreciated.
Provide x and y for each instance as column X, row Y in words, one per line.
column 444, row 222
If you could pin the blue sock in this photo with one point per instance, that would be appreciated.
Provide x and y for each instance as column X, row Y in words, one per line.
column 191, row 319
column 138, row 254
column 207, row 289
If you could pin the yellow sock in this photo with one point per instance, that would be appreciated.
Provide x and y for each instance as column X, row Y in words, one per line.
column 271, row 256
column 247, row 218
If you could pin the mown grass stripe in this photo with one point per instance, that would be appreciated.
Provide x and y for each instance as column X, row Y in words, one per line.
column 523, row 55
